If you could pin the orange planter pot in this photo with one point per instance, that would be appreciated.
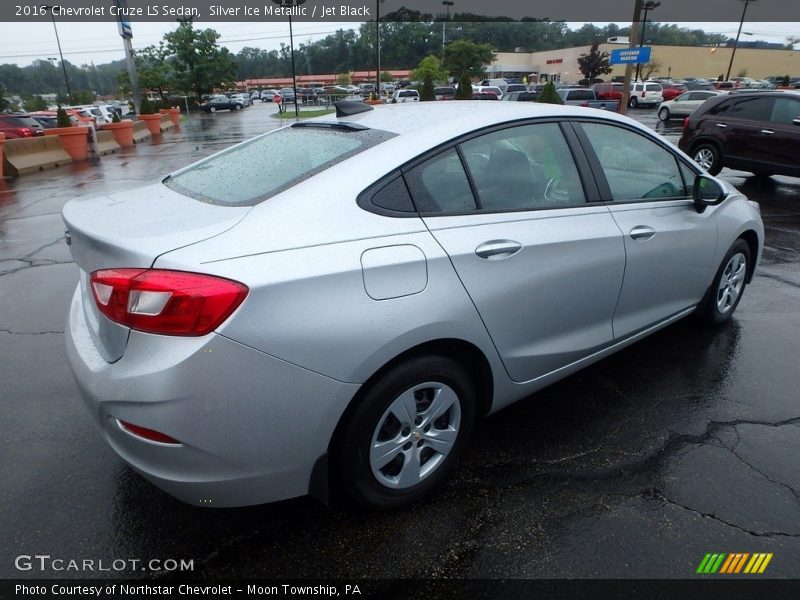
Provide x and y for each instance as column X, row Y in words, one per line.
column 122, row 131
column 153, row 123
column 374, row 102
column 174, row 114
column 74, row 139
column 2, row 143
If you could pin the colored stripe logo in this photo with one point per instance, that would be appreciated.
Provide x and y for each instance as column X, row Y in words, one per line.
column 734, row 563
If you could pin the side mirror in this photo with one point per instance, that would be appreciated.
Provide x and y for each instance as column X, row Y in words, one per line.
column 706, row 192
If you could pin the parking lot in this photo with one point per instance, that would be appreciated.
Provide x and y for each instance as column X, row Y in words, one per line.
column 686, row 443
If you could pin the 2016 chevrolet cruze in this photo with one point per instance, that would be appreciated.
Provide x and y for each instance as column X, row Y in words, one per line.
column 343, row 304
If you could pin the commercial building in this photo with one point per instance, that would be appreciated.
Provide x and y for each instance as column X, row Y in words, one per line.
column 676, row 62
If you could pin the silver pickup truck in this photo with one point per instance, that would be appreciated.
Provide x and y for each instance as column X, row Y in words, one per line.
column 586, row 97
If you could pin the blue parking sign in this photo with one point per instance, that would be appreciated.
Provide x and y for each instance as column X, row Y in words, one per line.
column 632, row 56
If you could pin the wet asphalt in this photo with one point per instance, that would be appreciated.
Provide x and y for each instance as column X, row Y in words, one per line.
column 684, row 444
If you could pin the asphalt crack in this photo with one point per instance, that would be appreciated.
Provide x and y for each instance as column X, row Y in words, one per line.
column 10, row 332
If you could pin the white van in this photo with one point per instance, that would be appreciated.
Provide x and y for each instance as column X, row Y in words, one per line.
column 500, row 83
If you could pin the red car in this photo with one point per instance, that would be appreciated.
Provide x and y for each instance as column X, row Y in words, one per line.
column 484, row 96
column 20, row 126
column 671, row 92
column 608, row 91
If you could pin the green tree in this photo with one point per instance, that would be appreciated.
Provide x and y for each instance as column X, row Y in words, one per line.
column 153, row 69
column 35, row 103
column 464, row 91
column 386, row 76
column 344, row 79
column 199, row 63
column 463, row 57
column 654, row 66
column 594, row 62
column 4, row 104
column 549, row 95
column 429, row 72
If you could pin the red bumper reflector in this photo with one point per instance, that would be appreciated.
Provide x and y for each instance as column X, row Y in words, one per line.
column 148, row 434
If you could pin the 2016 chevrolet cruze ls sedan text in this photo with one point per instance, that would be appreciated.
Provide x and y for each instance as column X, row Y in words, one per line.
column 250, row 330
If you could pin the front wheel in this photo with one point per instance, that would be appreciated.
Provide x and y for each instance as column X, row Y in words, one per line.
column 406, row 433
column 237, row 107
column 634, row 102
column 708, row 157
column 728, row 286
column 663, row 114
column 213, row 109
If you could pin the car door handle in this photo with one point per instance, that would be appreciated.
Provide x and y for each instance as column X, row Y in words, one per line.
column 767, row 131
column 721, row 125
column 642, row 233
column 498, row 249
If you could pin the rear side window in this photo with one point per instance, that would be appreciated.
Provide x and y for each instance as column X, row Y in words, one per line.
column 653, row 87
column 581, row 95
column 784, row 111
column 249, row 173
column 751, row 108
column 394, row 197
column 440, row 185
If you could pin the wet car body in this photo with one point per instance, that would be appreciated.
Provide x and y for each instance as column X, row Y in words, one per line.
column 359, row 300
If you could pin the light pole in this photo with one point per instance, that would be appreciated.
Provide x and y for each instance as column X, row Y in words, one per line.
column 53, row 60
column 649, row 5
column 290, row 4
column 736, row 43
column 378, row 47
column 61, row 54
column 447, row 4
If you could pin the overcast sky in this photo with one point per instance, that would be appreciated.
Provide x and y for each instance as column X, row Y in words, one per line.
column 83, row 43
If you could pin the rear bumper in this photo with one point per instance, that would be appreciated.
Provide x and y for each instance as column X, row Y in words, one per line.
column 251, row 426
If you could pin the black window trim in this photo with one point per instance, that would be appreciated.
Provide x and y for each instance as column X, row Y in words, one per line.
column 364, row 199
column 599, row 173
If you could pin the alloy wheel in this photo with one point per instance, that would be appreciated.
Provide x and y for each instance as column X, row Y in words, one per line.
column 731, row 283
column 415, row 434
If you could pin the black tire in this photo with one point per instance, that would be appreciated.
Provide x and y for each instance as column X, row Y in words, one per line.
column 663, row 114
column 707, row 155
column 762, row 174
column 371, row 419
column 634, row 102
column 237, row 107
column 714, row 309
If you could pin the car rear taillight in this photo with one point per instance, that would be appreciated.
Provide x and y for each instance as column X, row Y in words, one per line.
column 25, row 132
column 685, row 122
column 585, row 104
column 148, row 434
column 166, row 302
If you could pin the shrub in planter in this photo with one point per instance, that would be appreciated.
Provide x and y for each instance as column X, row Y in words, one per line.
column 150, row 117
column 75, row 140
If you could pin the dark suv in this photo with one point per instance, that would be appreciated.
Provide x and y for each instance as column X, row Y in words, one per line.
column 756, row 131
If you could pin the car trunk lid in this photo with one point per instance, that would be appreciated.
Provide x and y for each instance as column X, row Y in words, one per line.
column 131, row 229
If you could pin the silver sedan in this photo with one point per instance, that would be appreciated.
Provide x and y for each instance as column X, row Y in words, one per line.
column 302, row 322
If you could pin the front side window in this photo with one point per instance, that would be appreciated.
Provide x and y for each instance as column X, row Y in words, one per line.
column 785, row 111
column 524, row 167
column 635, row 167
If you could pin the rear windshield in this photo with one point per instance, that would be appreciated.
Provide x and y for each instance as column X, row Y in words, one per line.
column 253, row 171
column 653, row 87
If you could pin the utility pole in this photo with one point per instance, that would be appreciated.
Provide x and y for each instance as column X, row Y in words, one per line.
column 126, row 33
column 736, row 43
column 626, row 91
column 61, row 54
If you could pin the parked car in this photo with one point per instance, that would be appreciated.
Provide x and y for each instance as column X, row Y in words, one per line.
column 685, row 104
column 493, row 89
column 485, row 95
column 645, row 94
column 724, row 85
column 499, row 83
column 20, row 126
column 243, row 98
column 515, row 87
column 609, row 91
column 74, row 116
column 255, row 95
column 445, row 93
column 307, row 95
column 756, row 131
column 672, row 91
column 287, row 94
column 239, row 338
column 520, row 97
column 587, row 98
column 267, row 95
column 221, row 102
column 405, row 95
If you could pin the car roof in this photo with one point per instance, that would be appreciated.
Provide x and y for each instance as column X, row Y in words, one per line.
column 448, row 120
